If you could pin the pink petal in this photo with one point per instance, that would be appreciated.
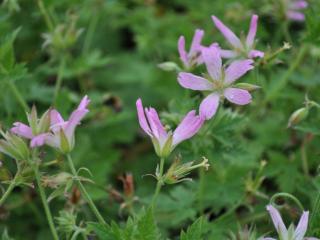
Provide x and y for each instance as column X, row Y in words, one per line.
column 84, row 103
column 252, row 31
column 182, row 51
column 76, row 117
column 228, row 53
column 22, row 130
column 53, row 140
column 142, row 118
column 157, row 128
column 212, row 59
column 237, row 69
column 296, row 16
column 191, row 81
column 277, row 221
column 300, row 4
column 196, row 42
column 301, row 229
column 55, row 117
column 227, row 33
column 237, row 96
column 255, row 54
column 188, row 127
column 209, row 106
column 39, row 140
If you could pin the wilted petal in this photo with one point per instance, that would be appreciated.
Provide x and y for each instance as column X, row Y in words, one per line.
column 237, row 96
column 209, row 105
column 277, row 221
column 182, row 51
column 296, row 16
column 301, row 229
column 227, row 33
column 196, row 42
column 22, row 130
column 188, row 127
column 191, row 81
column 212, row 59
column 228, row 53
column 157, row 129
column 142, row 118
column 39, row 140
column 237, row 69
column 255, row 54
column 252, row 31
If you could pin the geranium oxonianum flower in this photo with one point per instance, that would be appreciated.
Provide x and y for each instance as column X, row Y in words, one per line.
column 193, row 57
column 61, row 135
column 291, row 233
column 241, row 48
column 219, row 81
column 164, row 142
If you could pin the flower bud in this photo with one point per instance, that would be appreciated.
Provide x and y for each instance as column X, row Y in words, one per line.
column 169, row 66
column 247, row 86
column 14, row 146
column 297, row 116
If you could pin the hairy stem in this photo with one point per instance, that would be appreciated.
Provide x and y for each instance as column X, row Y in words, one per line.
column 46, row 16
column 84, row 192
column 9, row 189
column 159, row 183
column 59, row 79
column 45, row 203
column 17, row 95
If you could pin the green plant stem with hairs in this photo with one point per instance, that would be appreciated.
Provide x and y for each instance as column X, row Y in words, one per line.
column 59, row 79
column 12, row 185
column 159, row 183
column 17, row 95
column 46, row 16
column 84, row 192
column 33, row 162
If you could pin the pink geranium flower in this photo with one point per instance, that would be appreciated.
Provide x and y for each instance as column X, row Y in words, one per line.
column 241, row 48
column 294, row 8
column 61, row 133
column 291, row 233
column 193, row 57
column 219, row 82
column 164, row 142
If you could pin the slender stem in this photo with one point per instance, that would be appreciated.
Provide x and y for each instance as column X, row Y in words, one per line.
column 315, row 213
column 46, row 16
column 159, row 183
column 286, row 195
column 45, row 203
column 90, row 32
column 9, row 190
column 17, row 95
column 59, row 79
column 85, row 193
column 201, row 189
column 304, row 157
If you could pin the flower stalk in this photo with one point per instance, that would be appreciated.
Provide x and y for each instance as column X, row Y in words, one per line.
column 84, row 192
column 160, row 182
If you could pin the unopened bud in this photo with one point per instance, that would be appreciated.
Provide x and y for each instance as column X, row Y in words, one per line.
column 297, row 116
column 169, row 66
column 247, row 86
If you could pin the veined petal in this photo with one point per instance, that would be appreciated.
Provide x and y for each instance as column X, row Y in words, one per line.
column 188, row 127
column 196, row 42
column 22, row 130
column 209, row 106
column 157, row 129
column 142, row 118
column 212, row 59
column 227, row 33
column 301, row 229
column 182, row 51
column 39, row 140
column 228, row 53
column 252, row 31
column 191, row 81
column 296, row 16
column 277, row 221
column 237, row 69
column 237, row 96
column 255, row 54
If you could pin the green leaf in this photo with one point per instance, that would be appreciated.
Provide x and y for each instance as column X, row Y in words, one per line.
column 195, row 231
column 147, row 228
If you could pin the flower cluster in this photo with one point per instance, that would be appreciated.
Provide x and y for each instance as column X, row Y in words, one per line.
column 293, row 9
column 51, row 129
